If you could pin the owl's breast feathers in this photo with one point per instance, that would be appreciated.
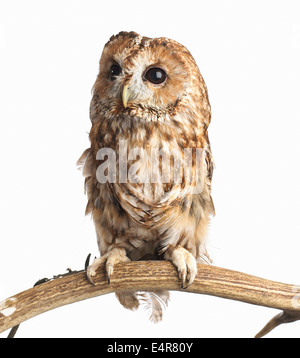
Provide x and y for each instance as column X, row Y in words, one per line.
column 150, row 195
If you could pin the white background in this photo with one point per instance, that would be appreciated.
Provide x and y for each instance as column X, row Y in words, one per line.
column 249, row 55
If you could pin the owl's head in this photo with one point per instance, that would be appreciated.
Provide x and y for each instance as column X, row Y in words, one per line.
column 142, row 75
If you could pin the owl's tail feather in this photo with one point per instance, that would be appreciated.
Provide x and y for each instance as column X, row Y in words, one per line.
column 154, row 302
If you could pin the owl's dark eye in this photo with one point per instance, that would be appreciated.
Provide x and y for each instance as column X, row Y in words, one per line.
column 115, row 70
column 156, row 75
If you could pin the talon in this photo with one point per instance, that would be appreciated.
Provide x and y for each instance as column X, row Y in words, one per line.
column 86, row 268
column 191, row 275
column 90, row 280
column 87, row 262
column 111, row 258
column 188, row 284
column 185, row 263
column 182, row 276
column 109, row 271
column 89, row 274
column 91, row 270
column 184, row 287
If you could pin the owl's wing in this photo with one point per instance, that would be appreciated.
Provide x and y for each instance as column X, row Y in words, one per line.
column 87, row 165
column 210, row 165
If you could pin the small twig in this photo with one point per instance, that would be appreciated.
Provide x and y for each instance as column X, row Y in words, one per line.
column 148, row 276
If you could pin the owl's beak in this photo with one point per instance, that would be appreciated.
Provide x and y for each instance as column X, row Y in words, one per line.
column 125, row 96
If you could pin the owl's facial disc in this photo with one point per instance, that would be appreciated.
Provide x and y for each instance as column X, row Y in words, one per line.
column 142, row 75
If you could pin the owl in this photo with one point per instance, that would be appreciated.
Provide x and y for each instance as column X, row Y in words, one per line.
column 149, row 167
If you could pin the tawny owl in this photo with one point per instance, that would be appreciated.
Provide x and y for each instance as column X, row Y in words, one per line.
column 148, row 171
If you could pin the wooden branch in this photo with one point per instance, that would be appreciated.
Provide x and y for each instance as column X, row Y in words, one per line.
column 147, row 276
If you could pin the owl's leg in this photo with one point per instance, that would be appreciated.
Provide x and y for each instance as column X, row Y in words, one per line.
column 110, row 259
column 185, row 263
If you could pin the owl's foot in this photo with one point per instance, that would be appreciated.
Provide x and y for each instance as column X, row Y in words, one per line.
column 185, row 263
column 110, row 259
